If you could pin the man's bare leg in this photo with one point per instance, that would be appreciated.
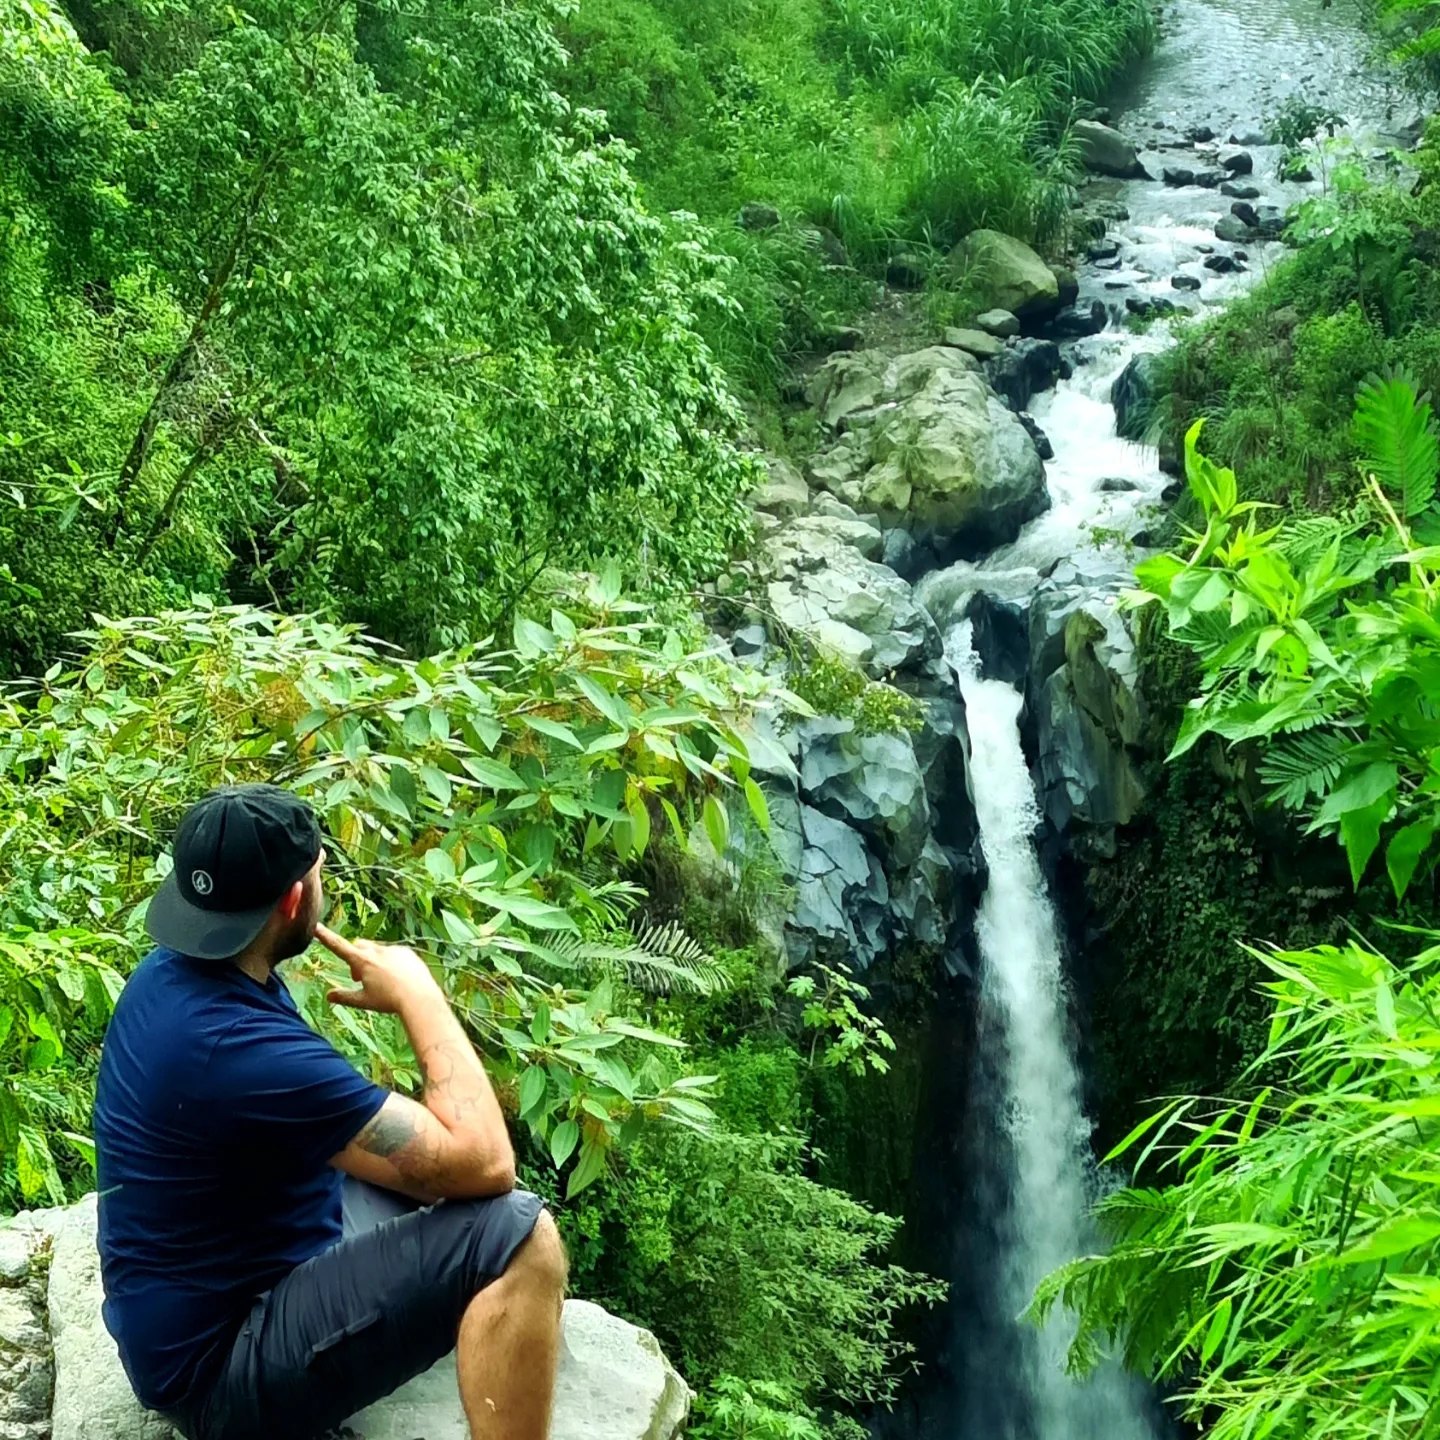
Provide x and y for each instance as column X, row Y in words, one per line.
column 510, row 1342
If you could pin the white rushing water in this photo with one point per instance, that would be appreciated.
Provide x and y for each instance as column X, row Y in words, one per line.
column 1024, row 1025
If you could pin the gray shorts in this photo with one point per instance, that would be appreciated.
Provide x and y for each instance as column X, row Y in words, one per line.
column 350, row 1326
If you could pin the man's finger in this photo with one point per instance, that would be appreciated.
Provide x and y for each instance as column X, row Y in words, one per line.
column 339, row 945
column 354, row 999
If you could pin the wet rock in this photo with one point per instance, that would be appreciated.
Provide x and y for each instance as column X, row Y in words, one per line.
column 1108, row 264
column 1041, row 439
column 1249, row 137
column 1232, row 230
column 1244, row 211
column 1150, row 307
column 1008, row 273
column 1106, row 151
column 1177, row 175
column 1185, row 282
column 1222, row 264
column 1242, row 162
column 1106, row 251
column 1090, row 227
column 1090, row 718
column 1271, row 220
column 1240, row 190
column 907, row 271
column 1117, row 485
column 1024, row 369
column 756, row 215
column 1200, row 135
column 998, row 322
column 1067, row 284
column 1133, row 395
column 975, row 342
column 1077, row 321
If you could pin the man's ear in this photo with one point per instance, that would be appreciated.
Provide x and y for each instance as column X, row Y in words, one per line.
column 290, row 902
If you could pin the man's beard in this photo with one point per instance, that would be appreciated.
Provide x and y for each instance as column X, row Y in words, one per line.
column 297, row 936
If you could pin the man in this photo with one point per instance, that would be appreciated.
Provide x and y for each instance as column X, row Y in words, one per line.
column 224, row 1130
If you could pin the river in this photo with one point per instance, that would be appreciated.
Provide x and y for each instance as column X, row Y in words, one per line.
column 1021, row 1164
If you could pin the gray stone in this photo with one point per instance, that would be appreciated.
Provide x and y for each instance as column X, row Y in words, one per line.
column 1240, row 190
column 1023, row 369
column 1077, row 321
column 1233, row 230
column 1222, row 264
column 1241, row 162
column 876, row 781
column 1185, row 282
column 975, row 342
column 614, row 1382
column 999, row 322
column 907, row 271
column 785, row 492
column 1007, row 273
column 1090, row 717
column 16, row 1246
column 1107, row 151
column 1251, row 136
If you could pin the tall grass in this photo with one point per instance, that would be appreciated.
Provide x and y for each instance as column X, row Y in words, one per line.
column 892, row 124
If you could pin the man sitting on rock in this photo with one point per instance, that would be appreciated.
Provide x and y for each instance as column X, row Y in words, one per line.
column 224, row 1127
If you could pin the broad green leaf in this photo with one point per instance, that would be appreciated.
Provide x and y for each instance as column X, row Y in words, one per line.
column 563, row 1141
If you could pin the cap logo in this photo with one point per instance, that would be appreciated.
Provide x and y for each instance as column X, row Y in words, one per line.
column 201, row 882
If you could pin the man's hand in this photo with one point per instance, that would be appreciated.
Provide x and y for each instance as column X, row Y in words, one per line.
column 392, row 978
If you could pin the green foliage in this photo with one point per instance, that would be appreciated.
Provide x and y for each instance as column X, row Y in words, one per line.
column 1319, row 653
column 746, row 1267
column 833, row 1018
column 365, row 317
column 1287, row 1279
column 832, row 686
column 469, row 798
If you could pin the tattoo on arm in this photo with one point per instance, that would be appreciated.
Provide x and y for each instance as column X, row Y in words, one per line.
column 390, row 1131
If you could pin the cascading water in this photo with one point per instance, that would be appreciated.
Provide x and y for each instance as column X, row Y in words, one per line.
column 1039, row 1150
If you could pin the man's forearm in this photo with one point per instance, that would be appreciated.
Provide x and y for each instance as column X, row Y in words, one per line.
column 457, row 1089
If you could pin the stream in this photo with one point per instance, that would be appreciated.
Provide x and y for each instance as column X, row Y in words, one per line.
column 1019, row 1160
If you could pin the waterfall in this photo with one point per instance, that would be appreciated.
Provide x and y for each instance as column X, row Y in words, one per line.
column 1036, row 1154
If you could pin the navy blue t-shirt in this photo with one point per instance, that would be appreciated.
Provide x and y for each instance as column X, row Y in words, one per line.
column 216, row 1113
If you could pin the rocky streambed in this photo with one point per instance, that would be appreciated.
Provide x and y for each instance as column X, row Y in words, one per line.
column 996, row 474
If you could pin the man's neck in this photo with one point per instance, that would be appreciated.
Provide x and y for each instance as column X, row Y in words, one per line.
column 257, row 967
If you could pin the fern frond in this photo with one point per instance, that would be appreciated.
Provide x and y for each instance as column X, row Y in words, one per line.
column 658, row 959
column 1395, row 432
column 1300, row 767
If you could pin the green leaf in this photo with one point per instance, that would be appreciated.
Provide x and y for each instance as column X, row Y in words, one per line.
column 437, row 782
column 639, row 820
column 755, row 797
column 563, row 1142
column 1395, row 434
column 532, row 640
column 533, row 1086
column 440, row 865
column 590, row 1168
column 555, row 730
column 1219, row 1324
column 1406, row 850
column 717, row 824
column 494, row 774
column 1409, row 1232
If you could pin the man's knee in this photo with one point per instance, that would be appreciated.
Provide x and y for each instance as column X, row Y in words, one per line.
column 540, row 1261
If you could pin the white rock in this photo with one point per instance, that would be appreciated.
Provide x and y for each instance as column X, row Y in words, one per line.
column 614, row 1383
column 16, row 1246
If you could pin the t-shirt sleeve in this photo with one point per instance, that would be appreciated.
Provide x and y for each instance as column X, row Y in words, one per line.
column 288, row 1091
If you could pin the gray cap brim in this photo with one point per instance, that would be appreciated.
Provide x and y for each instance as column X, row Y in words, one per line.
column 205, row 934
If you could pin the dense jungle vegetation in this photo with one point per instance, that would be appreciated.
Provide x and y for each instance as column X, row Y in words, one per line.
column 371, row 387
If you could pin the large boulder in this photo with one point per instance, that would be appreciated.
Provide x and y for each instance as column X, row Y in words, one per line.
column 1090, row 717
column 614, row 1381
column 876, row 782
column 929, row 448
column 1006, row 274
column 1107, row 151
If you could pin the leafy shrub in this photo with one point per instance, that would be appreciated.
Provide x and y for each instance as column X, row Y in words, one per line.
column 1286, row 1276
column 467, row 797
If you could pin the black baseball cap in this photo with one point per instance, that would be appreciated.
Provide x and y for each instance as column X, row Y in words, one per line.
column 236, row 853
